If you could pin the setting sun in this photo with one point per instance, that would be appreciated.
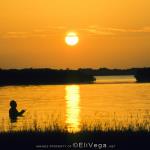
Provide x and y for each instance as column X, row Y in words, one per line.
column 71, row 39
column 75, row 74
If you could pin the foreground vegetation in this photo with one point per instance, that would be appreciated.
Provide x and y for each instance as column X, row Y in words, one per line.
column 132, row 133
column 130, row 137
column 126, row 139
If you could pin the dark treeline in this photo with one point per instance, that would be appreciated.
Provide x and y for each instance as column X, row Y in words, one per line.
column 143, row 75
column 43, row 76
column 60, row 76
column 107, row 71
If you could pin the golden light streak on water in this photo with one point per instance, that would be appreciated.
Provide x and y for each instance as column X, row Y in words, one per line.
column 72, row 107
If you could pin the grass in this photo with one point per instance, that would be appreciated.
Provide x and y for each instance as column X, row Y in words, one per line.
column 29, row 139
column 134, row 133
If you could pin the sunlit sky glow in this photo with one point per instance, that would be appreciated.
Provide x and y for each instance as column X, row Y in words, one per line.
column 112, row 33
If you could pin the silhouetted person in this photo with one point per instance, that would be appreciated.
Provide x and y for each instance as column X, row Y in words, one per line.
column 13, row 112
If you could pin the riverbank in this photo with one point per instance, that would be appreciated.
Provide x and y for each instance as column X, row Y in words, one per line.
column 121, row 140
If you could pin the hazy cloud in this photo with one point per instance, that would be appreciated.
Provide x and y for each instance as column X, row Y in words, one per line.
column 93, row 30
column 39, row 32
column 116, row 31
column 13, row 34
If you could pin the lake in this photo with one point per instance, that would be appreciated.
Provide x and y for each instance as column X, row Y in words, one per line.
column 111, row 100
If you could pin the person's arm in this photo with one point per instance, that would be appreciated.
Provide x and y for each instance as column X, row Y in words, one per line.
column 21, row 112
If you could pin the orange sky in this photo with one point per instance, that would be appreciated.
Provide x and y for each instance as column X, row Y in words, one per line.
column 113, row 33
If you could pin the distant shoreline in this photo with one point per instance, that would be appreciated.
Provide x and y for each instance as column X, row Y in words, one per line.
column 31, row 76
column 43, row 77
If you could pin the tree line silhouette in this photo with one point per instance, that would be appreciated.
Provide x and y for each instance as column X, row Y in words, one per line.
column 59, row 76
column 43, row 76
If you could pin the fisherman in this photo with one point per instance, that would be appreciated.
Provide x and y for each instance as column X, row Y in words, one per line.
column 13, row 112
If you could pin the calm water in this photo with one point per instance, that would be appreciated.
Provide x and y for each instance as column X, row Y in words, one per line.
column 73, row 105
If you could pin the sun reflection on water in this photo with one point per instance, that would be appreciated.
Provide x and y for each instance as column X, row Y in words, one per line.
column 73, row 108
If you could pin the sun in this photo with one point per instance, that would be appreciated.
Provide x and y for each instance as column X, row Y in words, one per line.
column 71, row 39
